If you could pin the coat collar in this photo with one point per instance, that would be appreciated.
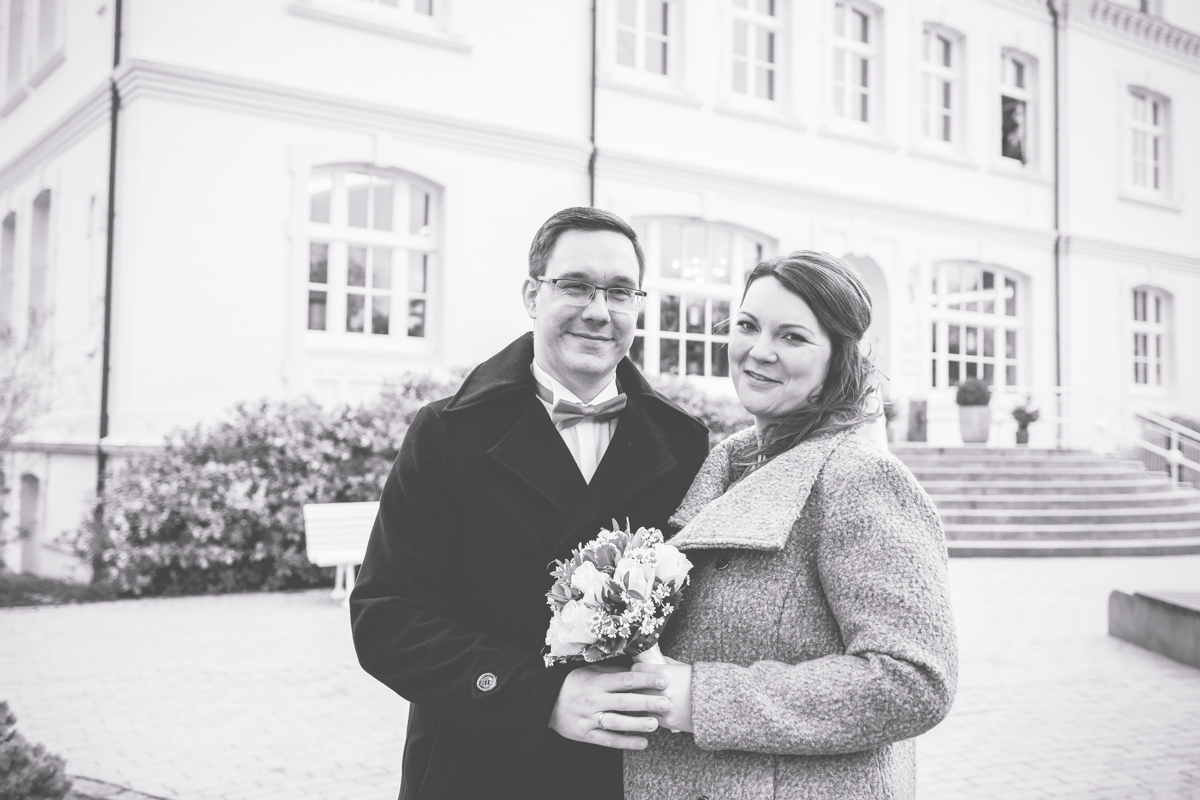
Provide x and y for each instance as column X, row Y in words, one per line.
column 758, row 512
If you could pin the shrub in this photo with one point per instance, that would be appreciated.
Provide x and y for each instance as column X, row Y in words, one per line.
column 23, row 589
column 220, row 508
column 27, row 771
column 722, row 415
column 973, row 392
column 1024, row 415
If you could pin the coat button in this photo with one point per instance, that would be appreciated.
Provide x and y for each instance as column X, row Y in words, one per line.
column 486, row 682
column 723, row 563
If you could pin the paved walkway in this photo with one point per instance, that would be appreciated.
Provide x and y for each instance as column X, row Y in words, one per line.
column 259, row 697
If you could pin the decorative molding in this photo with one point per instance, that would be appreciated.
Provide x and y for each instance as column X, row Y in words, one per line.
column 667, row 94
column 1127, row 253
column 1130, row 26
column 660, row 173
column 140, row 79
column 85, row 447
column 1033, row 8
column 90, row 113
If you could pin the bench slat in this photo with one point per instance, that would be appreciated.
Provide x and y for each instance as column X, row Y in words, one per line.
column 337, row 533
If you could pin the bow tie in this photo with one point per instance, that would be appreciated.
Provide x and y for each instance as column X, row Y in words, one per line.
column 565, row 414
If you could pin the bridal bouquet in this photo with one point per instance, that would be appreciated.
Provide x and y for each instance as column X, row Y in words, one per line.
column 613, row 596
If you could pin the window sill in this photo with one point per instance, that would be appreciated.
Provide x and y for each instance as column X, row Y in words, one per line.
column 771, row 117
column 13, row 101
column 946, row 156
column 666, row 92
column 388, row 23
column 1157, row 201
column 49, row 66
column 1026, row 173
column 364, row 344
column 858, row 135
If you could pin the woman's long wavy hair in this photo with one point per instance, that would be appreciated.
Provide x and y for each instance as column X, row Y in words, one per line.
column 842, row 306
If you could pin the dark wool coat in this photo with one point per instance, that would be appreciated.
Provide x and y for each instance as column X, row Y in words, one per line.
column 818, row 628
column 450, row 610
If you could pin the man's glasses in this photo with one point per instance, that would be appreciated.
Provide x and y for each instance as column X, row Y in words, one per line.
column 621, row 300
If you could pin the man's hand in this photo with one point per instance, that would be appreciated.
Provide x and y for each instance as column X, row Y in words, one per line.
column 678, row 691
column 594, row 703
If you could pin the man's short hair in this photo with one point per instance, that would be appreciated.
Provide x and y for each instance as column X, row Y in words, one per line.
column 579, row 218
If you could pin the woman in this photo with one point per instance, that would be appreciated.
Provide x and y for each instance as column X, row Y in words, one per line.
column 816, row 639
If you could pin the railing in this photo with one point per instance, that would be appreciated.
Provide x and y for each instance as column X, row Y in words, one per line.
column 1079, row 418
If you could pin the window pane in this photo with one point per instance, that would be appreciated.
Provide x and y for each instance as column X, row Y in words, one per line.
column 381, row 268
column 952, row 369
column 625, row 48
column 418, row 211
column 720, row 360
column 1010, row 344
column 740, row 30
column 316, row 311
column 765, row 86
column 355, row 315
column 1157, row 308
column 952, row 336
column 766, row 45
column 656, row 17
column 319, row 190
column 424, row 7
column 739, row 77
column 416, row 318
column 417, row 266
column 318, row 263
column 668, row 356
column 839, row 19
column 695, row 315
column 972, row 369
column 766, row 7
column 47, row 28
column 381, row 314
column 695, row 253
column 989, row 342
column 944, row 45
column 656, row 57
column 1010, row 297
column 953, row 286
column 16, row 33
column 1139, row 306
column 1012, row 128
column 668, row 313
column 637, row 352
column 720, row 317
column 627, row 13
column 668, row 249
column 933, row 337
column 695, row 358
column 357, row 188
column 933, row 373
column 861, row 31
column 972, row 341
column 970, row 287
column 1010, row 375
column 989, row 374
column 1018, row 74
column 720, row 245
column 382, row 192
column 356, row 266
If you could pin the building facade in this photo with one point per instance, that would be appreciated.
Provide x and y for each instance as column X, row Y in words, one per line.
column 311, row 196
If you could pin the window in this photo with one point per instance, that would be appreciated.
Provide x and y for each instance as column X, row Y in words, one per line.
column 370, row 254
column 8, row 248
column 1153, row 7
column 756, row 34
column 941, row 64
column 643, row 35
column 694, row 275
column 420, row 7
column 1016, row 106
column 1148, row 136
column 1149, row 329
column 47, row 31
column 977, row 325
column 14, row 73
column 855, row 61
column 39, row 264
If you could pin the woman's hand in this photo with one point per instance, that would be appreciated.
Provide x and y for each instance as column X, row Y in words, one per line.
column 678, row 691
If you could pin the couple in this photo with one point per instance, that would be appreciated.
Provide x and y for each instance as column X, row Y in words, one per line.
column 815, row 640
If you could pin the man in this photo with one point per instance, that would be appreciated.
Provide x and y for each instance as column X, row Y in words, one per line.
column 544, row 444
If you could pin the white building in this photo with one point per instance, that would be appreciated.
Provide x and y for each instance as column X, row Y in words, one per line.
column 314, row 195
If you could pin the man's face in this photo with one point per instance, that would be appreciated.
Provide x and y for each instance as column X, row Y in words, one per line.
column 581, row 345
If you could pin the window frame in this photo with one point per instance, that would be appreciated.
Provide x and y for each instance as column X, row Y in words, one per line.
column 842, row 50
column 14, row 61
column 401, row 20
column 1029, row 95
column 647, row 350
column 44, row 61
column 953, row 76
column 1161, row 132
column 942, row 316
column 776, row 24
column 637, row 72
column 1153, row 334
column 340, row 238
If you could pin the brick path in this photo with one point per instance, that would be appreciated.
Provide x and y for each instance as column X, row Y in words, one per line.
column 259, row 697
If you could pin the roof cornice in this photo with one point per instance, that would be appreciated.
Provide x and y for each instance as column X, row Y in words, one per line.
column 1130, row 26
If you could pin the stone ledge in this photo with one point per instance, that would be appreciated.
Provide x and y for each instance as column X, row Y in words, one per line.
column 1166, row 622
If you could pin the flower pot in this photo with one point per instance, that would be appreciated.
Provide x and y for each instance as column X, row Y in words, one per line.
column 1022, row 435
column 975, row 423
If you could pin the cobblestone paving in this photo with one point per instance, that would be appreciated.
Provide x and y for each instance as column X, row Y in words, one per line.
column 259, row 697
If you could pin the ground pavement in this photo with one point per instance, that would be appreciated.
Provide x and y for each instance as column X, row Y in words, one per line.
column 259, row 697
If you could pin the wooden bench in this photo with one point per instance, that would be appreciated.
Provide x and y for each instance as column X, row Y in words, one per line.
column 336, row 535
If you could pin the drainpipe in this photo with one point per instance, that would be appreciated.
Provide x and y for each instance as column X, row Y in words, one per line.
column 1054, row 21
column 592, row 157
column 105, row 364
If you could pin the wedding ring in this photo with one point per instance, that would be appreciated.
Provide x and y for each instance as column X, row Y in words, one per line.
column 600, row 720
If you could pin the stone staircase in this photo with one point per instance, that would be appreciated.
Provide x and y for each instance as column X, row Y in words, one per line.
column 1021, row 501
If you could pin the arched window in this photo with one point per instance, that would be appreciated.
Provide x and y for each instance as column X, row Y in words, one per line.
column 372, row 249
column 978, row 313
column 1149, row 329
column 39, row 265
column 8, row 259
column 28, row 528
column 694, row 276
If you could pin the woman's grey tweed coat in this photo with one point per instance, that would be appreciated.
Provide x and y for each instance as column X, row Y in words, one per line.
column 817, row 624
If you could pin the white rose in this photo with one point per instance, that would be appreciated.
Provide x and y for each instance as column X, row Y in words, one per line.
column 673, row 566
column 574, row 630
column 635, row 575
column 590, row 581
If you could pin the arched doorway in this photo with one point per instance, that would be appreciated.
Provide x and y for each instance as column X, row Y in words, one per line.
column 28, row 523
column 877, row 337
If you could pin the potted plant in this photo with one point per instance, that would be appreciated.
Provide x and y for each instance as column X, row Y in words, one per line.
column 1024, row 415
column 974, row 414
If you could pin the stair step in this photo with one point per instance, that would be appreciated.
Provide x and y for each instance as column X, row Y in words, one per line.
column 905, row 448
column 981, row 463
column 1179, row 497
column 1082, row 548
column 1018, row 474
column 1073, row 531
column 1140, row 484
column 1069, row 516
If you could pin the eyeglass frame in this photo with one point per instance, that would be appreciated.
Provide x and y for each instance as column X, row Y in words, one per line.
column 638, row 294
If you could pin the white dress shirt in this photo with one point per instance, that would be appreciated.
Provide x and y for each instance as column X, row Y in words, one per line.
column 587, row 440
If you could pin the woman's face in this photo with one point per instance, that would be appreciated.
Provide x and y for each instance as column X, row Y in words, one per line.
column 778, row 352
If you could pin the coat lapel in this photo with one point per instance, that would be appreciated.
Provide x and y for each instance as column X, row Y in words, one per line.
column 637, row 455
column 535, row 453
column 758, row 512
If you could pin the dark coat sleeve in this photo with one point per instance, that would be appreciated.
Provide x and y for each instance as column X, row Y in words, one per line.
column 405, row 631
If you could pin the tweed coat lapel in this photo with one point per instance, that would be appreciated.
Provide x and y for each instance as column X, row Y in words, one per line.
column 758, row 512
